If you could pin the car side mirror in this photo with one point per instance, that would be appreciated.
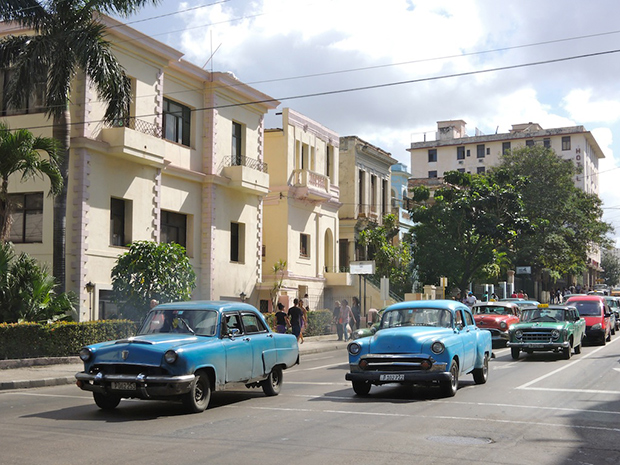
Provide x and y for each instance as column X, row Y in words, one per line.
column 459, row 326
column 234, row 332
column 373, row 330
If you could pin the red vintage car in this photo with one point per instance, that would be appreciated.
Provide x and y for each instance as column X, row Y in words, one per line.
column 497, row 317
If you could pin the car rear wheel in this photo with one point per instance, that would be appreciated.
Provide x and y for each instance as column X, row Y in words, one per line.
column 273, row 384
column 482, row 374
column 361, row 388
column 198, row 397
column 106, row 401
column 449, row 388
column 515, row 351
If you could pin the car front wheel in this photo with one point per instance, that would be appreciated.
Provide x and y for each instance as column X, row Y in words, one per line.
column 482, row 374
column 449, row 387
column 106, row 401
column 198, row 397
column 361, row 388
column 273, row 384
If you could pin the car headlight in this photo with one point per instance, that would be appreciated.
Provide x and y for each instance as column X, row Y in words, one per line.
column 518, row 334
column 597, row 327
column 85, row 354
column 171, row 356
column 503, row 325
column 354, row 348
column 437, row 347
column 555, row 334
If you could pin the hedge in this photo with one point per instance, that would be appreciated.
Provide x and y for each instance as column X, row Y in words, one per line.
column 65, row 339
column 62, row 339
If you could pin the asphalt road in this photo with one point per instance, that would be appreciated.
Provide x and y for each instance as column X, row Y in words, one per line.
column 537, row 410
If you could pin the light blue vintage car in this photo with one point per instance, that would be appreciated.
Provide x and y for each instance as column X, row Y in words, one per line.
column 186, row 350
column 421, row 342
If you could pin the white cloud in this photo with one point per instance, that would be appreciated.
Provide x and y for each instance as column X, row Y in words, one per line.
column 581, row 105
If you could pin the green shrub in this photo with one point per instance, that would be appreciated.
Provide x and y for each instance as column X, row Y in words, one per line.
column 61, row 339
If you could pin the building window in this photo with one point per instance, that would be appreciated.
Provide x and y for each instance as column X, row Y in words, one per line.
column 480, row 151
column 460, row 153
column 237, row 144
column 33, row 103
column 173, row 228
column 432, row 155
column 461, row 170
column 547, row 143
column 304, row 245
column 360, row 191
column 27, row 218
column 120, row 212
column 328, row 161
column 432, row 174
column 177, row 119
column 566, row 143
column 529, row 143
column 481, row 170
column 488, row 150
column 237, row 242
column 505, row 147
column 263, row 306
column 468, row 152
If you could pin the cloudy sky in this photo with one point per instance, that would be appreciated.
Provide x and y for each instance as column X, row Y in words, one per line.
column 411, row 56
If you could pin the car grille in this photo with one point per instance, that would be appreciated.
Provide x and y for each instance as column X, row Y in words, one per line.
column 128, row 369
column 393, row 363
column 534, row 336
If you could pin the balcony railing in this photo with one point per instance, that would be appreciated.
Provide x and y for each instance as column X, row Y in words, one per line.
column 139, row 125
column 235, row 160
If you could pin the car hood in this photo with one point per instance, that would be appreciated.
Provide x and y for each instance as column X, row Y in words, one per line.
column 143, row 350
column 540, row 324
column 491, row 320
column 406, row 339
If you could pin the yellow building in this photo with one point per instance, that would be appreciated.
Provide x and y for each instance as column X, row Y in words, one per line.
column 301, row 209
column 186, row 165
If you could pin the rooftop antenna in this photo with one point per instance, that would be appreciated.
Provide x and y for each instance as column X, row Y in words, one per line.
column 212, row 53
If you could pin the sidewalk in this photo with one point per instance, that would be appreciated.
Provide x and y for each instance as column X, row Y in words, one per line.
column 41, row 372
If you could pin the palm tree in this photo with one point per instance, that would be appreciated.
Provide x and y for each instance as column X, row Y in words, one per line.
column 67, row 38
column 21, row 152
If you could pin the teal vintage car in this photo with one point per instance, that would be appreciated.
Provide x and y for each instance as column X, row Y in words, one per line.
column 547, row 328
column 186, row 350
column 430, row 342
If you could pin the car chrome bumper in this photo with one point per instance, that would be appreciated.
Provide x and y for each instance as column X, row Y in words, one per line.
column 146, row 386
column 375, row 377
column 540, row 345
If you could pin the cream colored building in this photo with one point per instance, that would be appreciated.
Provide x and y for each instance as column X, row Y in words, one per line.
column 186, row 165
column 301, row 209
column 452, row 149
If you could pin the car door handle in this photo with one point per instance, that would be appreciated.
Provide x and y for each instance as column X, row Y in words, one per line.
column 247, row 339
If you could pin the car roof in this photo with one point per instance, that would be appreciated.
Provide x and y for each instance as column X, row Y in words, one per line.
column 440, row 304
column 594, row 298
column 495, row 304
column 216, row 305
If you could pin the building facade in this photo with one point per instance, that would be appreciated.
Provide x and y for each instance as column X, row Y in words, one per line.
column 401, row 199
column 185, row 165
column 301, row 209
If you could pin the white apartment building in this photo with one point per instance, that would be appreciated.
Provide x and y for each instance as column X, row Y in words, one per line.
column 185, row 165
column 301, row 210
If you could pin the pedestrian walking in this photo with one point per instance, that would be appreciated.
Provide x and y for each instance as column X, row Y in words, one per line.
column 357, row 312
column 346, row 316
column 296, row 315
column 336, row 320
column 282, row 321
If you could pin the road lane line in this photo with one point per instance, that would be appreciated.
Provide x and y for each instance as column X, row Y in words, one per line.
column 299, row 370
column 433, row 417
column 540, row 378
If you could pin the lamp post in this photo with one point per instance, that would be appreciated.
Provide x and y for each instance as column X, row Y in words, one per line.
column 90, row 287
column 242, row 296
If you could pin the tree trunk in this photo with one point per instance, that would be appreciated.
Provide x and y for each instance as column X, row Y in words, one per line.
column 61, row 132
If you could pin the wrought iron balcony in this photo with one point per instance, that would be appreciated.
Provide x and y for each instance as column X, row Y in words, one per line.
column 139, row 125
column 235, row 160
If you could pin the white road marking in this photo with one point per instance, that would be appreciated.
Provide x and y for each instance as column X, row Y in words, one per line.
column 433, row 417
column 564, row 367
column 298, row 370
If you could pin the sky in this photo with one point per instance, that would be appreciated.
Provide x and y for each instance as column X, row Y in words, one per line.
column 389, row 70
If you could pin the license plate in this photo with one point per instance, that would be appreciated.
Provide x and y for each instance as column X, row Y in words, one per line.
column 397, row 377
column 535, row 346
column 123, row 386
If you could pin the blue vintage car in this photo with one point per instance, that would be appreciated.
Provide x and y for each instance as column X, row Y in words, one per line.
column 186, row 350
column 421, row 342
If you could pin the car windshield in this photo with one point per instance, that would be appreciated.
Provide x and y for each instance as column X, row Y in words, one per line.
column 417, row 317
column 199, row 322
column 491, row 309
column 547, row 314
column 587, row 307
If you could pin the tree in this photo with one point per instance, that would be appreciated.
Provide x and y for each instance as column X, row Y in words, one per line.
column 392, row 261
column 566, row 220
column 463, row 232
column 151, row 271
column 20, row 153
column 279, row 268
column 27, row 291
column 67, row 38
column 611, row 266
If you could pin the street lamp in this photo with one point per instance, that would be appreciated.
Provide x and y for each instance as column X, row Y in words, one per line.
column 242, row 296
